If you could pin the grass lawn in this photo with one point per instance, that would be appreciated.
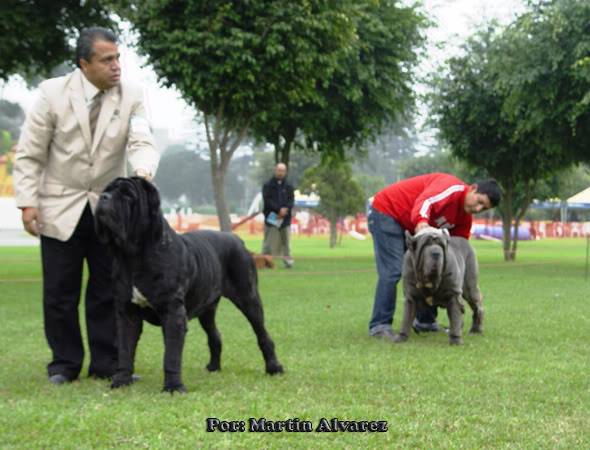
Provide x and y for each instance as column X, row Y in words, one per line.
column 523, row 384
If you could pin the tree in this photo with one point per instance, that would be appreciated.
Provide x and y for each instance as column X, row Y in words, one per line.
column 545, row 73
column 234, row 61
column 37, row 35
column 340, row 194
column 368, row 84
column 534, row 78
column 472, row 109
column 12, row 117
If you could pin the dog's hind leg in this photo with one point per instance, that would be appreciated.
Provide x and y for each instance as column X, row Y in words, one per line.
column 476, row 304
column 251, row 307
column 207, row 320
column 472, row 294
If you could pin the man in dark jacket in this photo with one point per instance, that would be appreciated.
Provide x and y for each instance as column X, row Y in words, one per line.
column 278, row 198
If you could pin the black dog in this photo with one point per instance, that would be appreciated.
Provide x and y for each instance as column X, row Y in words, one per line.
column 179, row 276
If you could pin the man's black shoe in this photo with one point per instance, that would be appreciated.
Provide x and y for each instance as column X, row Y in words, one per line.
column 58, row 379
column 134, row 378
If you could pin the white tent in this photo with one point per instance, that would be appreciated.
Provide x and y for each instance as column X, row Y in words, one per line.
column 581, row 199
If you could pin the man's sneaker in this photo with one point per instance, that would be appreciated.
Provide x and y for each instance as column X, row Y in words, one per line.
column 386, row 335
column 423, row 327
column 288, row 263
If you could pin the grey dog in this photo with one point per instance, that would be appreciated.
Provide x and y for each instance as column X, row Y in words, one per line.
column 438, row 270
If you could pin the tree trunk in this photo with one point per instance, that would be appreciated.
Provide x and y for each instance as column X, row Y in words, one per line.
column 218, row 177
column 333, row 232
column 520, row 214
column 506, row 211
column 283, row 153
column 221, row 151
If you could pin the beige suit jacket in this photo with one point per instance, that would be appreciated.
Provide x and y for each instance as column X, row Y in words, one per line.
column 59, row 168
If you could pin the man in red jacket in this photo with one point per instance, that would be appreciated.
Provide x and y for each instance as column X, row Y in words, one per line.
column 438, row 200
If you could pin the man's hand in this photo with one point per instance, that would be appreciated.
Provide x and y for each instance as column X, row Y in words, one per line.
column 421, row 226
column 283, row 212
column 30, row 217
column 143, row 174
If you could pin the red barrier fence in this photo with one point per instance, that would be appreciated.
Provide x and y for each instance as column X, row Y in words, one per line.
column 310, row 223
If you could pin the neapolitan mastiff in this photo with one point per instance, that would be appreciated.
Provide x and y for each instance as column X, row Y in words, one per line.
column 438, row 270
column 178, row 277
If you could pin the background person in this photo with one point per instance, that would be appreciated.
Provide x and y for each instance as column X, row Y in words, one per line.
column 437, row 199
column 279, row 199
column 76, row 139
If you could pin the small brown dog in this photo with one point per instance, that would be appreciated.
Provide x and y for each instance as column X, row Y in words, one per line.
column 263, row 261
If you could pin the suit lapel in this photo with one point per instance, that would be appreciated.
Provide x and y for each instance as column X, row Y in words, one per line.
column 109, row 104
column 80, row 109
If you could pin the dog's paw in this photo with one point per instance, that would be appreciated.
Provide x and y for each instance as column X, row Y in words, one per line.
column 273, row 368
column 456, row 340
column 213, row 367
column 178, row 388
column 400, row 338
column 120, row 380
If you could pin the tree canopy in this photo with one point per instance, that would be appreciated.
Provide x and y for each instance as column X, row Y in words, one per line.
column 340, row 194
column 515, row 103
column 235, row 61
column 368, row 84
column 39, row 35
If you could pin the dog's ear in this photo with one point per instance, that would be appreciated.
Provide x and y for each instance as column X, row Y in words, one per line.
column 153, row 204
column 102, row 233
column 446, row 236
column 410, row 241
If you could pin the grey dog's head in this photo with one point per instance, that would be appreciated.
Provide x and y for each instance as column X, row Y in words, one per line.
column 128, row 214
column 429, row 250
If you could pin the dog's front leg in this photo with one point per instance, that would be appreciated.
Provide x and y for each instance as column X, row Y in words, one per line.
column 174, row 327
column 408, row 319
column 129, row 326
column 455, row 321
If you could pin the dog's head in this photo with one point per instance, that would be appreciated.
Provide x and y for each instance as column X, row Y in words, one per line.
column 128, row 214
column 429, row 253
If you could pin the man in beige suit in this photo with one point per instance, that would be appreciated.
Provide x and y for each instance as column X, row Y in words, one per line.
column 76, row 139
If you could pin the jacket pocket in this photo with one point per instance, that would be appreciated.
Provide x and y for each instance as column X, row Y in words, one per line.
column 51, row 189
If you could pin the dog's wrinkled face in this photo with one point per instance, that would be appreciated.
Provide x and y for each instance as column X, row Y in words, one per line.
column 429, row 249
column 128, row 214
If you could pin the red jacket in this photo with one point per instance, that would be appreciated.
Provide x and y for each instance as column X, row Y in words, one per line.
column 436, row 198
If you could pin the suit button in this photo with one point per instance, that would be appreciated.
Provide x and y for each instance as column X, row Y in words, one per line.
column 90, row 163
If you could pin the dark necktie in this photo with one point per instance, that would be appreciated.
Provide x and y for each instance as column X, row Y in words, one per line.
column 95, row 111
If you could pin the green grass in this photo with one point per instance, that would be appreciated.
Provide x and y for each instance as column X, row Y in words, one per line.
column 523, row 384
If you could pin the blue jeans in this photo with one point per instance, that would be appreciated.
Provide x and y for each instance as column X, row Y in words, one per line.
column 389, row 245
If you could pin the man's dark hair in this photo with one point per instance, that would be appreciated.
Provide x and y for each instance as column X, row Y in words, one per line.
column 491, row 189
column 84, row 46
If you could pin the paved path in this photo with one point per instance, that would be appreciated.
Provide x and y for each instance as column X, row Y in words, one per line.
column 13, row 238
